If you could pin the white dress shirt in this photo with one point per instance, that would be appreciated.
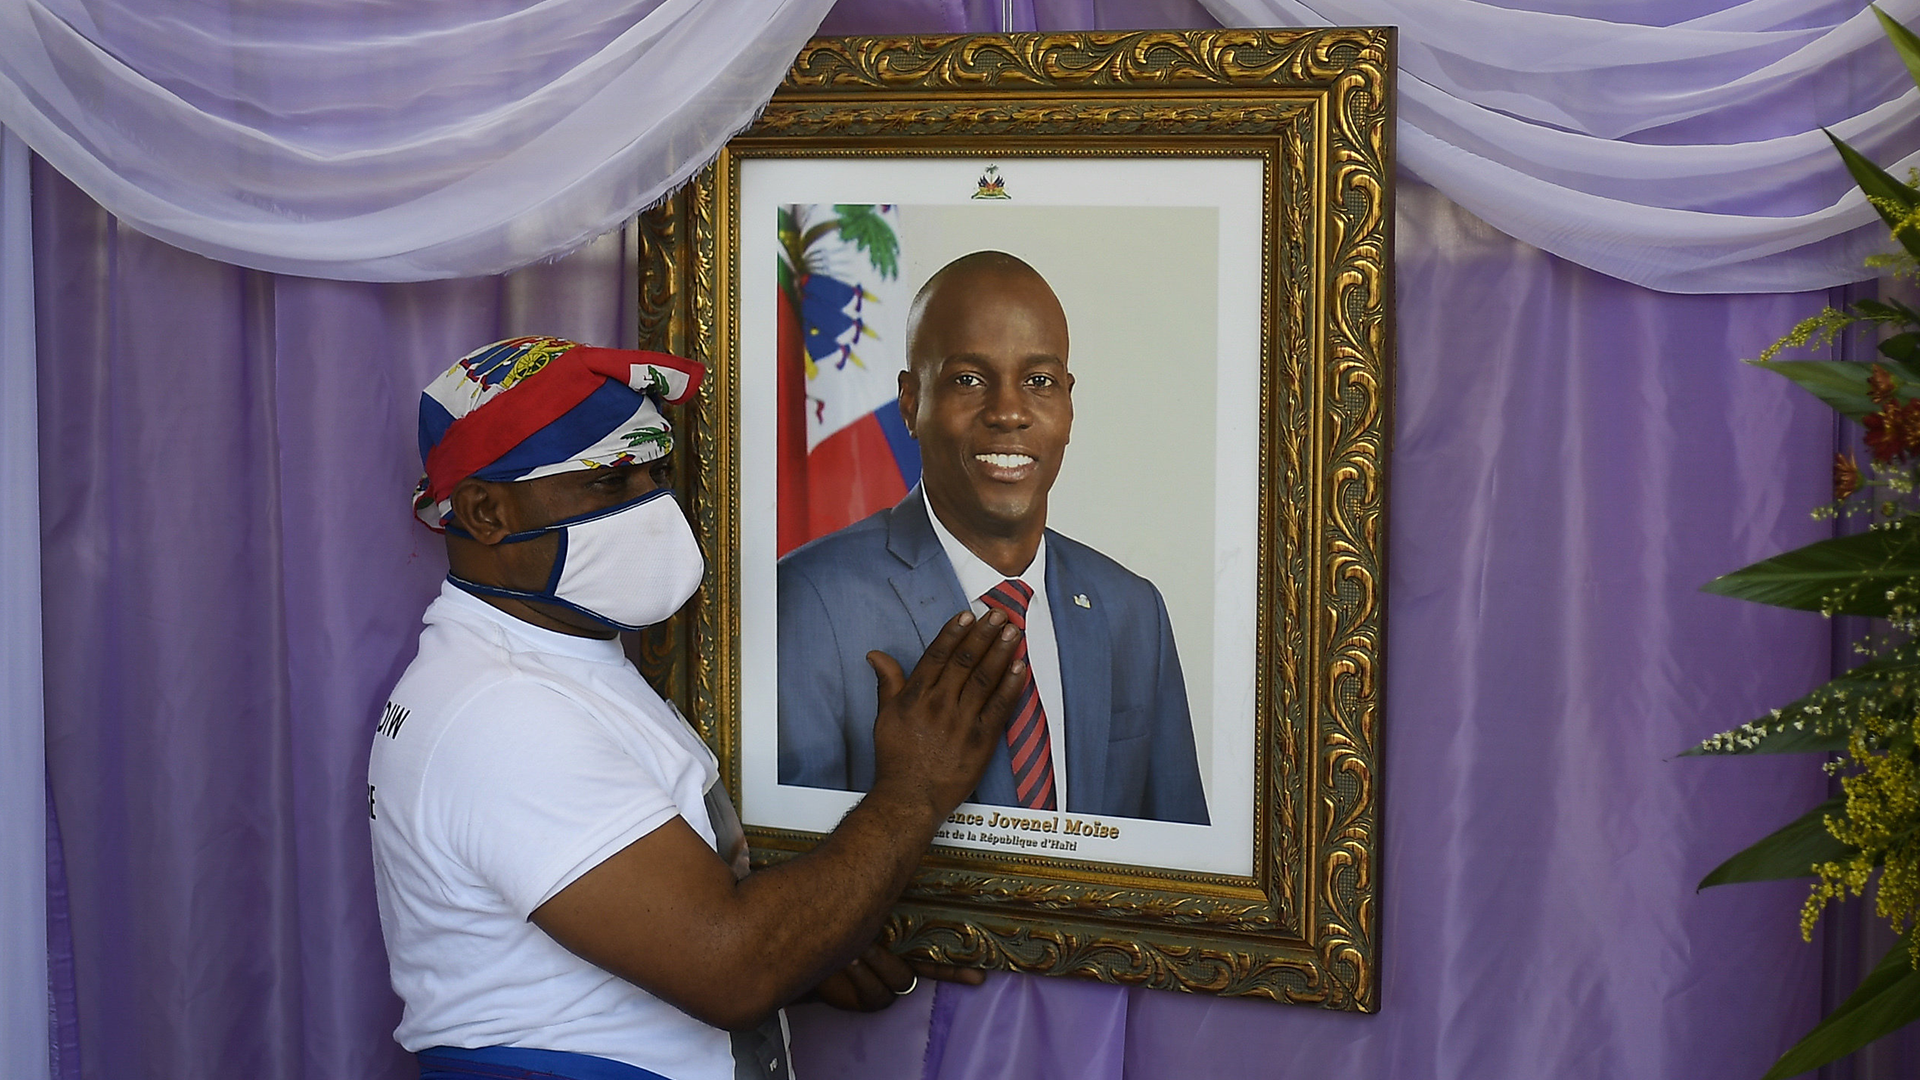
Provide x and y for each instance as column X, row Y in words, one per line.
column 1043, row 651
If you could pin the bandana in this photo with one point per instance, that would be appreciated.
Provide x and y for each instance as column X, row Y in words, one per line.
column 536, row 406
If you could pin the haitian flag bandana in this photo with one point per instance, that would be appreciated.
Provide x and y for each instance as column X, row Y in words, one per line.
column 536, row 406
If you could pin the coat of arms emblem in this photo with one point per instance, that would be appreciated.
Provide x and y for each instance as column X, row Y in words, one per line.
column 992, row 185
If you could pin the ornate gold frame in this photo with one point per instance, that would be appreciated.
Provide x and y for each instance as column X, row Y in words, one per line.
column 1316, row 108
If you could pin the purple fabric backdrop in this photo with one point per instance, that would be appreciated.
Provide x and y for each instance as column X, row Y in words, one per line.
column 1573, row 456
column 233, row 580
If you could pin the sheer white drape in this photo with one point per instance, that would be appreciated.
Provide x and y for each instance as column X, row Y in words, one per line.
column 374, row 141
column 23, row 826
column 1672, row 143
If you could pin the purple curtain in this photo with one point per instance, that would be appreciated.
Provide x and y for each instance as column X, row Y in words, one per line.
column 1573, row 456
column 232, row 581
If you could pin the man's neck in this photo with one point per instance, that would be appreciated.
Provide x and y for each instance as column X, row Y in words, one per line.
column 538, row 615
column 478, row 563
column 1010, row 554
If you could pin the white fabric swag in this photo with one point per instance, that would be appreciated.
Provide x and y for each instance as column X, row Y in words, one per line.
column 1675, row 144
column 382, row 141
column 1672, row 143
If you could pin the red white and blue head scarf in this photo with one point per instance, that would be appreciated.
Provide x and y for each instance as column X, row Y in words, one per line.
column 535, row 406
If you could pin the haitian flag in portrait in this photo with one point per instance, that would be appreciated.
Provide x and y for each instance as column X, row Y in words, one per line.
column 844, row 452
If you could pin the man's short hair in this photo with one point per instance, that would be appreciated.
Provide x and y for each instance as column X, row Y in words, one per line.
column 974, row 262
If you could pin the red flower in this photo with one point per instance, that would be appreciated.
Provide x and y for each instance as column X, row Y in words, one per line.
column 1894, row 431
column 1883, row 435
column 1907, row 422
column 1880, row 385
column 1846, row 476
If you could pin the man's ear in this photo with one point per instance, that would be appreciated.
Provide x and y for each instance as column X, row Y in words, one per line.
column 478, row 508
column 909, row 400
column 1069, row 381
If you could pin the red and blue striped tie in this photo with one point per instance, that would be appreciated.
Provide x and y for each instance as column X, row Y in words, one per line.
column 1027, row 740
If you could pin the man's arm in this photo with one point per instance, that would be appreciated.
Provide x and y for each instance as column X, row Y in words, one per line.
column 666, row 914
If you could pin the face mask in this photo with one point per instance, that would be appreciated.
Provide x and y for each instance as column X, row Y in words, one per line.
column 627, row 566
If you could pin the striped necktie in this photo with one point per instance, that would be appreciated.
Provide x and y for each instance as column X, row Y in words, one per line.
column 1027, row 741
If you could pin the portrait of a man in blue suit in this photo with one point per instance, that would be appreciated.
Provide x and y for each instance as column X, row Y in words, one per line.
column 1103, row 727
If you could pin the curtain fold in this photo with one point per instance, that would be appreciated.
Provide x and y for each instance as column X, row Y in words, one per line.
column 374, row 142
column 232, row 581
column 235, row 581
column 23, row 838
column 1573, row 456
column 1676, row 146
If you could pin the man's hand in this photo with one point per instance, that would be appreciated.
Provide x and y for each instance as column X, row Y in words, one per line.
column 665, row 913
column 937, row 728
column 876, row 978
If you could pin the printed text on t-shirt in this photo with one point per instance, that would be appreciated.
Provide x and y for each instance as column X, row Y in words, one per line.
column 391, row 720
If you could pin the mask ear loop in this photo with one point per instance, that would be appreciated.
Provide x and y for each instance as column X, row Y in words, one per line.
column 559, row 561
column 478, row 589
column 453, row 529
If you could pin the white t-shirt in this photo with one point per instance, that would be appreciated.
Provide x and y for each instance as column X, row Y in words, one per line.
column 509, row 761
column 977, row 578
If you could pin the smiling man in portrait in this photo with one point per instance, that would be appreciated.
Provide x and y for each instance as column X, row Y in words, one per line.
column 1102, row 726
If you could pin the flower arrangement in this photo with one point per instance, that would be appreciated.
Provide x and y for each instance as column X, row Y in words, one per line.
column 1868, row 720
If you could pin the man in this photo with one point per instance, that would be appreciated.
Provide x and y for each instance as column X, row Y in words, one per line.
column 547, row 832
column 1103, row 726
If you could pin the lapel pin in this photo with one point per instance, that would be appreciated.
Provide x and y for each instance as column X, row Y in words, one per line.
column 1080, row 598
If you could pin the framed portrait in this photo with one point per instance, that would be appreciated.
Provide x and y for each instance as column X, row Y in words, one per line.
column 1201, row 221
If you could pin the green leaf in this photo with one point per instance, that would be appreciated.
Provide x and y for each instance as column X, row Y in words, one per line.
column 1785, row 740
column 1848, row 575
column 1796, row 728
column 1888, row 310
column 862, row 226
column 1880, row 185
column 1842, row 384
column 1789, row 852
column 1771, row 736
column 1904, row 42
column 1901, row 348
column 1887, row 1000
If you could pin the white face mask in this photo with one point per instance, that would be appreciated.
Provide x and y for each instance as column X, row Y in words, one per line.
column 627, row 566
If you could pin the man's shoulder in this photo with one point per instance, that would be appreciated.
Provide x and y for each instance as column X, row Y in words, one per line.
column 469, row 688
column 1081, row 563
column 462, row 676
column 853, row 549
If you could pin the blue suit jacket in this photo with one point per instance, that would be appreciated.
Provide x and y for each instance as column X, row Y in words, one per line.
column 884, row 583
